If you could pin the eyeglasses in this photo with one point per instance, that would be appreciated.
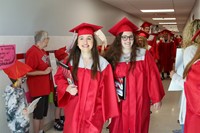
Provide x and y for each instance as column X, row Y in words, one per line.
column 125, row 38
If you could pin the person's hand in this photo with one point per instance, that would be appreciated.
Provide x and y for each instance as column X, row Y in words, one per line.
column 157, row 105
column 103, row 46
column 48, row 70
column 118, row 99
column 108, row 123
column 72, row 89
column 172, row 73
column 26, row 114
column 25, row 111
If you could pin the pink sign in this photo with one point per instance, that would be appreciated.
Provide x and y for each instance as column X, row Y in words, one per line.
column 7, row 55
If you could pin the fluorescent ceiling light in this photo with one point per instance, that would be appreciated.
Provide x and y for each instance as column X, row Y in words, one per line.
column 164, row 18
column 158, row 10
column 169, row 23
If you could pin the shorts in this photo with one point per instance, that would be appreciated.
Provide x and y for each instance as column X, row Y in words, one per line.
column 55, row 97
column 42, row 108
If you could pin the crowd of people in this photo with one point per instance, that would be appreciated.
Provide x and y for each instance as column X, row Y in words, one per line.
column 87, row 79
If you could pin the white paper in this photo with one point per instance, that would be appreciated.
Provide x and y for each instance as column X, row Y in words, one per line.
column 179, row 68
column 74, row 37
column 151, row 37
column 101, row 38
column 53, row 65
column 148, row 47
column 32, row 105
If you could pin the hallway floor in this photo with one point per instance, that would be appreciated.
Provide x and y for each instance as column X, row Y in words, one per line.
column 164, row 120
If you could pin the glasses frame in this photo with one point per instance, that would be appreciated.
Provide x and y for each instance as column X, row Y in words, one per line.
column 125, row 37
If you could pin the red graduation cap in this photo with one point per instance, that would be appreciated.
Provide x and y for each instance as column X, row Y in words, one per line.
column 196, row 34
column 167, row 32
column 61, row 53
column 142, row 33
column 146, row 24
column 123, row 25
column 17, row 70
column 86, row 28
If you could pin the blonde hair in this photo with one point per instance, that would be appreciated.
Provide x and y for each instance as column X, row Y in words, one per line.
column 189, row 31
column 144, row 42
column 195, row 58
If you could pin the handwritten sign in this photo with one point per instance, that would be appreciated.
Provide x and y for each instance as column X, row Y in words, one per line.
column 7, row 55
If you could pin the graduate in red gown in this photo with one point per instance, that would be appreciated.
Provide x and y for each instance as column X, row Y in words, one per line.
column 143, row 84
column 142, row 39
column 146, row 27
column 167, row 53
column 90, row 99
column 192, row 91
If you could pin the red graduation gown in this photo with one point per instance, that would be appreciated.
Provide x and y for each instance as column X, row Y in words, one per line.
column 154, row 48
column 143, row 86
column 192, row 92
column 166, row 56
column 95, row 103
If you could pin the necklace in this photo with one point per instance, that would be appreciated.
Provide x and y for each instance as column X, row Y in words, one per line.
column 127, row 57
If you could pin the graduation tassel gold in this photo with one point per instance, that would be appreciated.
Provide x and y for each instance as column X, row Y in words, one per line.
column 15, row 84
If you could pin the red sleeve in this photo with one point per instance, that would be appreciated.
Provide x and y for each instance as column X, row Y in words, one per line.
column 156, row 51
column 62, row 84
column 106, row 103
column 32, row 60
column 155, row 87
column 109, row 95
column 192, row 89
column 173, row 51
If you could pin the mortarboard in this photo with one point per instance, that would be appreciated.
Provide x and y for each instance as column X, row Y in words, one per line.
column 61, row 53
column 167, row 32
column 196, row 34
column 146, row 24
column 17, row 70
column 86, row 28
column 123, row 25
column 142, row 33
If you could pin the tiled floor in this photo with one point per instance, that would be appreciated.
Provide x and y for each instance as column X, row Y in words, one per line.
column 164, row 120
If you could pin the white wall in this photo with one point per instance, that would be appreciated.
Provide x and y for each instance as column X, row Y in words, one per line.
column 195, row 12
column 56, row 16
column 21, row 18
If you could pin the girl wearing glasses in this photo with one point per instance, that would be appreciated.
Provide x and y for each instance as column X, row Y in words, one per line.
column 142, row 85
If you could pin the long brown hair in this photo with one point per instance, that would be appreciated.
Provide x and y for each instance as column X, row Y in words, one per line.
column 195, row 58
column 114, row 52
column 75, row 56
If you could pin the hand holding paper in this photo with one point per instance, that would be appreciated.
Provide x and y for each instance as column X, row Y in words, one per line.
column 72, row 89
column 101, row 38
